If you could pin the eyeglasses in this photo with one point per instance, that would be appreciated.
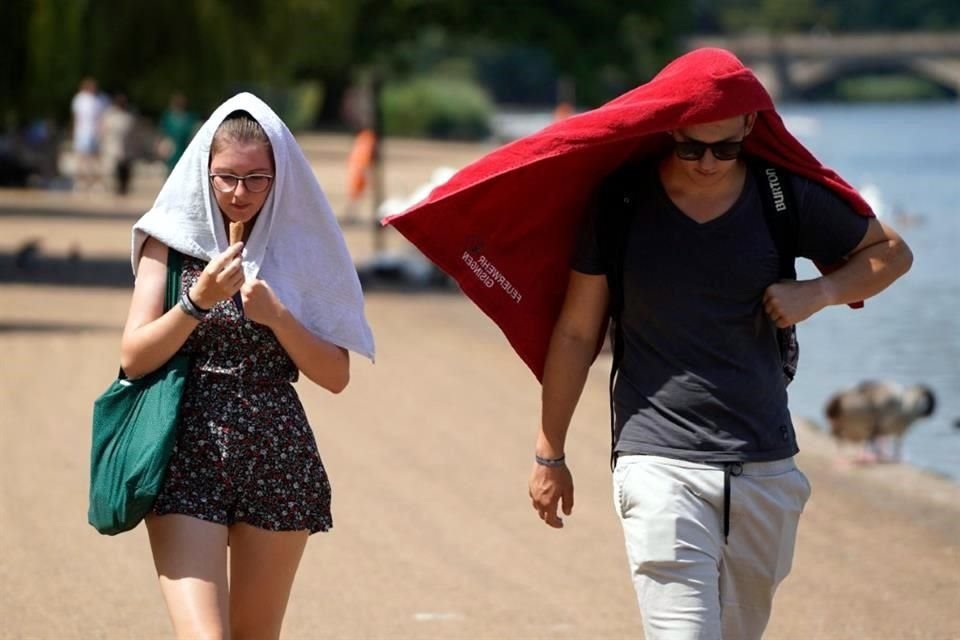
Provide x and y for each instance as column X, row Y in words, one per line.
column 694, row 149
column 227, row 182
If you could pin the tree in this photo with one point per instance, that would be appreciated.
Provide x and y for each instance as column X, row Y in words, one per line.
column 210, row 48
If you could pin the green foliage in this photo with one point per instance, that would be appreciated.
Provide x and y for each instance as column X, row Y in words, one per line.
column 303, row 104
column 437, row 107
column 209, row 49
column 894, row 15
column 516, row 74
column 778, row 16
column 605, row 47
column 880, row 87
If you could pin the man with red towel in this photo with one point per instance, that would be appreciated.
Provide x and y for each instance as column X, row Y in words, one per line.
column 704, row 482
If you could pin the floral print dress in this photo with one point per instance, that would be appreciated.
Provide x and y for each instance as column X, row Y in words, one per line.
column 245, row 452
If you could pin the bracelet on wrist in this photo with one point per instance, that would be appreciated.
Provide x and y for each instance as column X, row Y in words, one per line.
column 191, row 309
column 195, row 305
column 550, row 462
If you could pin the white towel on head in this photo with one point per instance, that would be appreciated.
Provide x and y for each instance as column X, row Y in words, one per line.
column 295, row 246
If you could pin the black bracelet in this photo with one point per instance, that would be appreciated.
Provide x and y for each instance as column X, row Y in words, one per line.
column 551, row 462
column 189, row 308
column 195, row 305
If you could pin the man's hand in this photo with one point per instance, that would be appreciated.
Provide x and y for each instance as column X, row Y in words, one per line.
column 788, row 302
column 548, row 487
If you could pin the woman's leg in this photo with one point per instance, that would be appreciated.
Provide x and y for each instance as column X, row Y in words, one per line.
column 262, row 567
column 191, row 560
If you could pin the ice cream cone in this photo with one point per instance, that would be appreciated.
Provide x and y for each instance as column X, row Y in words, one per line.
column 236, row 232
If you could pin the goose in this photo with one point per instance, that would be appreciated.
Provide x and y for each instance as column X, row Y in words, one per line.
column 873, row 410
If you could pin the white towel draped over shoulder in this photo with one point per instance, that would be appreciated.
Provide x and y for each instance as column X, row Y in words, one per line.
column 295, row 246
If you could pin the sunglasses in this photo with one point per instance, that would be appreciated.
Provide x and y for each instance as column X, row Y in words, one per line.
column 695, row 149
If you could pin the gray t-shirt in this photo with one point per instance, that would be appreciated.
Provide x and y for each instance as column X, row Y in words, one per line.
column 701, row 377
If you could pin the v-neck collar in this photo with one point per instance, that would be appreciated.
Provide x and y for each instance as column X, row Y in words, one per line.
column 720, row 220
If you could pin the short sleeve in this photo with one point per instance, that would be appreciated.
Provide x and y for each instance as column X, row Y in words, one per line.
column 586, row 256
column 829, row 228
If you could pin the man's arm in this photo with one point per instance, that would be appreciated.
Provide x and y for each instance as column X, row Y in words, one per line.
column 879, row 259
column 572, row 348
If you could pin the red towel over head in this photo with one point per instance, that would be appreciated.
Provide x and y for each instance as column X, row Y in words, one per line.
column 505, row 226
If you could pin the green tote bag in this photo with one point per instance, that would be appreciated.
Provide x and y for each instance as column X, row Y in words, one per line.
column 134, row 431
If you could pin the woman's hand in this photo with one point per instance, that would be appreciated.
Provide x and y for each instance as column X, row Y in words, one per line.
column 260, row 303
column 325, row 363
column 222, row 277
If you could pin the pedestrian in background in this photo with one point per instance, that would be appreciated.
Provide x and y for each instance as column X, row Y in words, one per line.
column 177, row 125
column 87, row 109
column 116, row 133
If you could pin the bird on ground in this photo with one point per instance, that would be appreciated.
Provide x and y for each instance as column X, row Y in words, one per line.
column 873, row 412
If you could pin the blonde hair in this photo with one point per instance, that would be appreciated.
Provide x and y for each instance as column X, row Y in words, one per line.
column 239, row 127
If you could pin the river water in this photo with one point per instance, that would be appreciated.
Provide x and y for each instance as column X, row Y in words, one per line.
column 905, row 160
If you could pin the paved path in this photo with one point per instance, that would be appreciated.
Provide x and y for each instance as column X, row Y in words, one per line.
column 428, row 451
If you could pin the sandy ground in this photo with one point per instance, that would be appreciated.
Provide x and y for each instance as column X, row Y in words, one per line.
column 429, row 452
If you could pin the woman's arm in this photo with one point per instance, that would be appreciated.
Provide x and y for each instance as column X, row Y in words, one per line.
column 150, row 336
column 323, row 363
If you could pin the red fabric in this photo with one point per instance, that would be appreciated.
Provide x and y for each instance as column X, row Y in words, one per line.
column 505, row 226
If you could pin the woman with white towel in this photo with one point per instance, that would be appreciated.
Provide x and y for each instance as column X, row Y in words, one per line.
column 283, row 298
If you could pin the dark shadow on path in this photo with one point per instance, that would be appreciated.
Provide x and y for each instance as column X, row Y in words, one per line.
column 65, row 213
column 41, row 327
column 28, row 265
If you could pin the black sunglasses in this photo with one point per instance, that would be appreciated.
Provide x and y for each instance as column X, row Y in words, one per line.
column 694, row 149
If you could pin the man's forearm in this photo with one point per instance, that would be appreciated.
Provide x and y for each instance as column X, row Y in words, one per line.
column 867, row 272
column 565, row 372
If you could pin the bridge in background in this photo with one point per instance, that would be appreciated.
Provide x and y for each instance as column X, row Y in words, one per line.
column 792, row 65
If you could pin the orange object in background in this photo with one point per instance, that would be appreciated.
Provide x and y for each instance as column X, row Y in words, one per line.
column 358, row 163
column 562, row 110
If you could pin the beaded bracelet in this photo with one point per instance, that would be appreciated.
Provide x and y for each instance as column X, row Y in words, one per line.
column 551, row 462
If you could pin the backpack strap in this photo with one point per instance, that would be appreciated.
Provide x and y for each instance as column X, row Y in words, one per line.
column 780, row 214
column 617, row 203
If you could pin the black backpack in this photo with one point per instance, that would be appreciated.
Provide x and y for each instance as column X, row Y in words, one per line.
column 617, row 199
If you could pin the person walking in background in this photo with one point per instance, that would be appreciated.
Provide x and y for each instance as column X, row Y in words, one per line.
column 177, row 125
column 358, row 172
column 705, row 484
column 245, row 473
column 116, row 133
column 86, row 109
